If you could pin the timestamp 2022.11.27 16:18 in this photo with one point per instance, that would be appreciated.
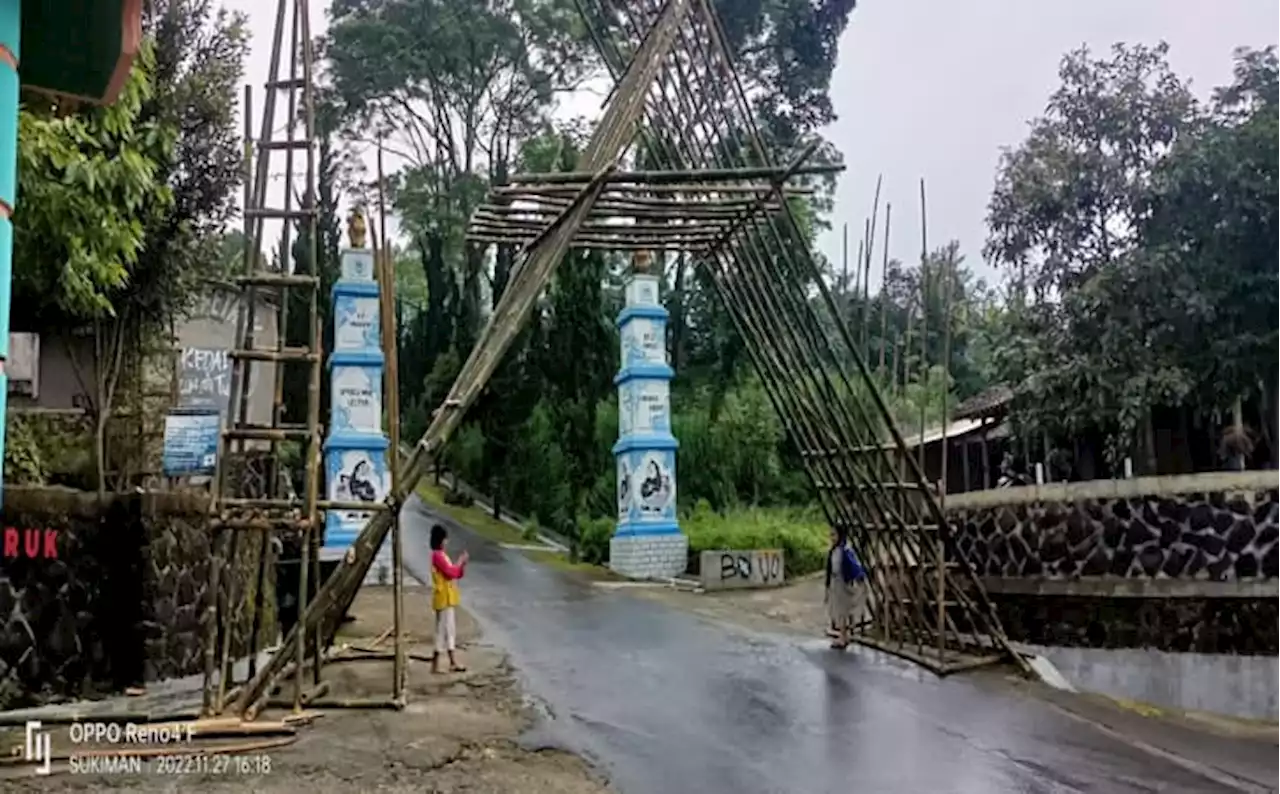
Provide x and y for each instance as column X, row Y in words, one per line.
column 185, row 764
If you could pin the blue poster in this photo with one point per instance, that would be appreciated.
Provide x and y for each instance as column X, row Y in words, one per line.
column 190, row 443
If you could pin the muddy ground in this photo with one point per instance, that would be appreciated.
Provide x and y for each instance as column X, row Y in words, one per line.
column 458, row 732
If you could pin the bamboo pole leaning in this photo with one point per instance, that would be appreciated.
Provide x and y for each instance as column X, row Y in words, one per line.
column 615, row 131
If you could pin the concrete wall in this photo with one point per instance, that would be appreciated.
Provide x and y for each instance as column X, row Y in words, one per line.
column 1240, row 686
column 736, row 570
column 212, row 324
column 119, row 599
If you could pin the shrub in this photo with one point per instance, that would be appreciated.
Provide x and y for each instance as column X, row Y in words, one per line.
column 801, row 533
column 594, row 536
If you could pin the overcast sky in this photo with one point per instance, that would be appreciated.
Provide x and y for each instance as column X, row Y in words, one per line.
column 933, row 89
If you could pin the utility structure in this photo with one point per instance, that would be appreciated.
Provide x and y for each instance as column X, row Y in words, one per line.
column 677, row 94
column 253, row 495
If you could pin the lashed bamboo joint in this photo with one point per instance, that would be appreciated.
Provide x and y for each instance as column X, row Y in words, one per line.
column 690, row 211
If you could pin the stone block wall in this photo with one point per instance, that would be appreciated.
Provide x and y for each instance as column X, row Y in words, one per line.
column 1171, row 531
column 649, row 556
column 1213, row 535
column 123, row 601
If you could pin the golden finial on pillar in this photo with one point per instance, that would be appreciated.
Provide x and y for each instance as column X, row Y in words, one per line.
column 641, row 262
column 356, row 228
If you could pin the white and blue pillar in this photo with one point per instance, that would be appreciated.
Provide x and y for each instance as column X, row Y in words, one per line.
column 10, row 38
column 355, row 450
column 647, row 542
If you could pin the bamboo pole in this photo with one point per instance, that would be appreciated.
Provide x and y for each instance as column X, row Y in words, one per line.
column 391, row 388
column 923, row 380
column 866, row 279
column 675, row 176
column 884, row 280
column 844, row 262
column 948, row 294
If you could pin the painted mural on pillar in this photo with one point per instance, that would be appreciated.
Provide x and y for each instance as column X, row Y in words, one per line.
column 650, row 490
column 643, row 342
column 356, row 399
column 642, row 291
column 357, row 264
column 355, row 475
column 356, row 323
column 624, row 488
column 626, row 409
column 643, row 407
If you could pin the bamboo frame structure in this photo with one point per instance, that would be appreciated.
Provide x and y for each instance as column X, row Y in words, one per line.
column 265, row 510
column 722, row 199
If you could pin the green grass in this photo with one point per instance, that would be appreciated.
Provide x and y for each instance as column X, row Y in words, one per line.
column 476, row 519
column 560, row 561
column 801, row 534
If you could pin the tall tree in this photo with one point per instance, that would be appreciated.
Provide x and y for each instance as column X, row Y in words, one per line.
column 452, row 87
column 1065, row 220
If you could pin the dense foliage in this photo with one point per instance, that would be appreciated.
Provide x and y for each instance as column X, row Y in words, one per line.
column 1135, row 231
column 1138, row 228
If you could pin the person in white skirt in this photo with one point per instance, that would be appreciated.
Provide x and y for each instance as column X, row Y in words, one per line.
column 445, row 598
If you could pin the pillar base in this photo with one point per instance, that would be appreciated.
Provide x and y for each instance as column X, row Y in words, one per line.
column 649, row 556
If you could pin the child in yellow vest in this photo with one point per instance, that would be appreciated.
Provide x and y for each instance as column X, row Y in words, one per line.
column 445, row 598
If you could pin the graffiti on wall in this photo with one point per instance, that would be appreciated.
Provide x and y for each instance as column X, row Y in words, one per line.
column 727, row 569
column 31, row 544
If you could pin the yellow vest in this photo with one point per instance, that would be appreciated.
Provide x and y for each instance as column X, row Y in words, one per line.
column 444, row 592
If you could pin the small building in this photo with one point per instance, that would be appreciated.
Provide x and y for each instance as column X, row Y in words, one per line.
column 56, row 373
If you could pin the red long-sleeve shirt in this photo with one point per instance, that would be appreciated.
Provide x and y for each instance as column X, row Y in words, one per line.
column 440, row 561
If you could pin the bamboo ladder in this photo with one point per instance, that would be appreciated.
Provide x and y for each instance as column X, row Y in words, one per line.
column 237, row 507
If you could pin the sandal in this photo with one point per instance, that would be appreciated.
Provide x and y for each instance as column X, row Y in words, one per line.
column 839, row 646
column 457, row 668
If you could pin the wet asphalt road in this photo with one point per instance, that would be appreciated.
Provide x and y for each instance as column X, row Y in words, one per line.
column 668, row 703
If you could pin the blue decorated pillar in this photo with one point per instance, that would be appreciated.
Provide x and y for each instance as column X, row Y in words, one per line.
column 648, row 542
column 355, row 450
column 10, row 36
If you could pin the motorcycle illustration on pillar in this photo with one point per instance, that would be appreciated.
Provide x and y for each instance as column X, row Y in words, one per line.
column 647, row 542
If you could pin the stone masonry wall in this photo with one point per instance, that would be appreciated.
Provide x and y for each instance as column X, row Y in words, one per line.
column 1215, row 529
column 1218, row 536
column 119, row 602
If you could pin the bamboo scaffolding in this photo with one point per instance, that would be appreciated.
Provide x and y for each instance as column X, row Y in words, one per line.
column 876, row 403
column 810, row 402
column 612, row 136
column 672, row 70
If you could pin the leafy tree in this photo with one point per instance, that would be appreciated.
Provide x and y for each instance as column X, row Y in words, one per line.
column 1065, row 220
column 200, row 52
column 91, row 185
column 1069, row 198
column 1212, row 229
